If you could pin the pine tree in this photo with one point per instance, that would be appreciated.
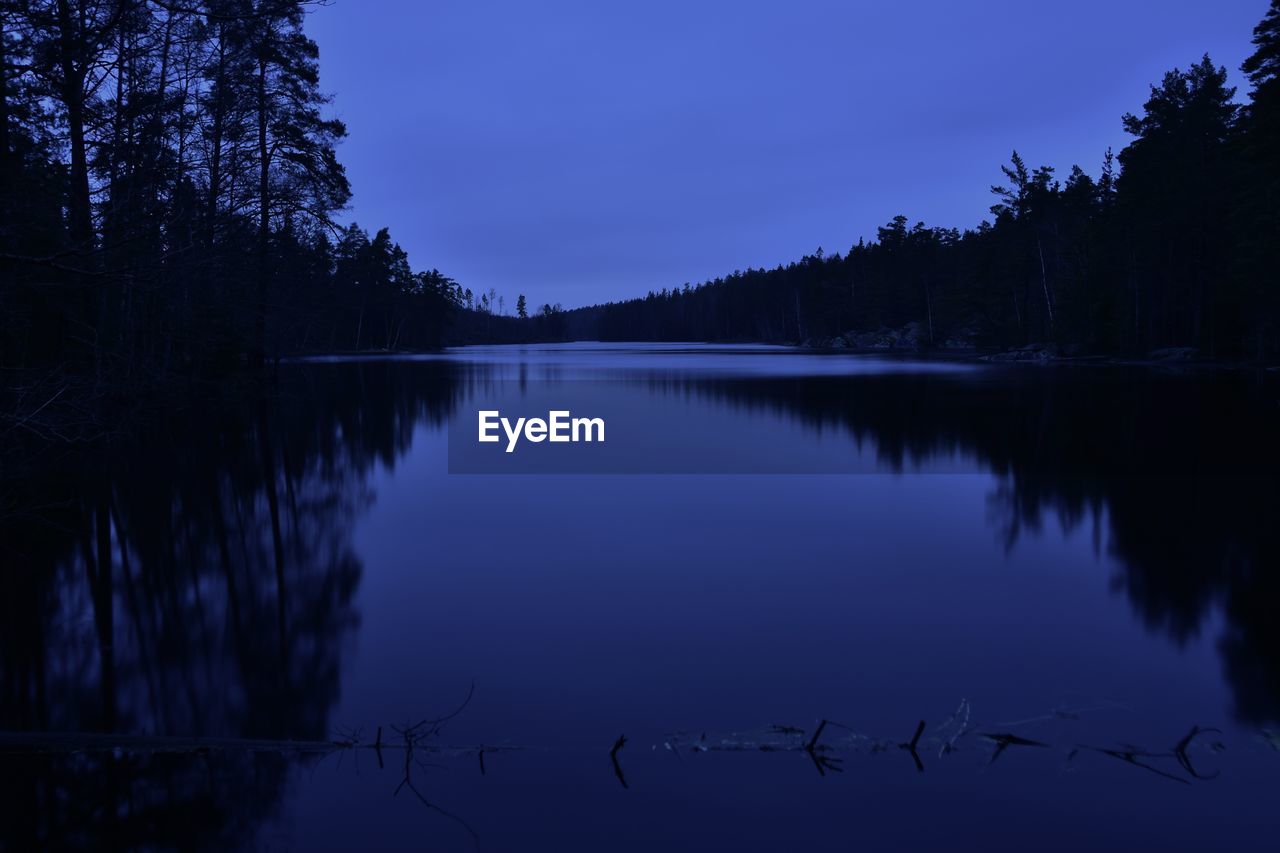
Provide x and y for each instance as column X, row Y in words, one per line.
column 1259, row 187
column 298, row 170
column 1174, row 193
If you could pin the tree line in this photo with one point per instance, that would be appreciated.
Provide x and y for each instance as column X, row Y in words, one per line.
column 169, row 181
column 1175, row 243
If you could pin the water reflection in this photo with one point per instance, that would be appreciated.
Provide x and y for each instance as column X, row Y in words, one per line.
column 200, row 580
column 196, row 582
column 1182, row 470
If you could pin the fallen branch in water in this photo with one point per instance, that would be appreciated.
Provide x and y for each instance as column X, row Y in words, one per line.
column 946, row 740
column 1142, row 758
column 1004, row 741
column 1130, row 754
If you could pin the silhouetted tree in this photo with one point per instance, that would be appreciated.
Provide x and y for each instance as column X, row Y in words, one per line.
column 1174, row 244
column 169, row 179
column 1175, row 196
column 1258, row 216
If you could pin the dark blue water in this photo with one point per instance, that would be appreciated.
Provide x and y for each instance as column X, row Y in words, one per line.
column 1077, row 563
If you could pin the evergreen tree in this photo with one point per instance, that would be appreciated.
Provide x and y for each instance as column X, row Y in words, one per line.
column 167, row 182
column 1175, row 200
column 1258, row 214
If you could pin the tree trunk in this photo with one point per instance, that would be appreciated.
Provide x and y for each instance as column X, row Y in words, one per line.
column 257, row 354
column 80, row 215
column 4, row 108
column 215, row 138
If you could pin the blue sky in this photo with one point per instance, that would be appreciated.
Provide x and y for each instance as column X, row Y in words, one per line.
column 586, row 151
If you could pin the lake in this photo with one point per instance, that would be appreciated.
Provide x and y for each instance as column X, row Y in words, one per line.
column 830, row 601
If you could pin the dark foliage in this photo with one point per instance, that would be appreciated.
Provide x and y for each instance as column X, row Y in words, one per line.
column 168, row 181
column 1174, row 245
column 211, row 554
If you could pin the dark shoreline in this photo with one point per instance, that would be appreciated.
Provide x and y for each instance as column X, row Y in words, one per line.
column 83, row 412
column 985, row 355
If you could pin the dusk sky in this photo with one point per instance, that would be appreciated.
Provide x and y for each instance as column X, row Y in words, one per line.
column 584, row 152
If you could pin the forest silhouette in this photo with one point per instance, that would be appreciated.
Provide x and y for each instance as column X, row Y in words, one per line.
column 170, row 187
column 170, row 227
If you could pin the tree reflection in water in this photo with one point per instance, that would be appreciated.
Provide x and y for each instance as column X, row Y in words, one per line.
column 1182, row 469
column 196, row 581
column 199, row 580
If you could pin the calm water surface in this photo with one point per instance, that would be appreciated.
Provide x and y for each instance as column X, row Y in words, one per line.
column 1060, row 571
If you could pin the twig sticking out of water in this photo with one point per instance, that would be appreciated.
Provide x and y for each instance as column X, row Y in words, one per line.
column 823, row 763
column 1131, row 754
column 613, row 756
column 1006, row 740
column 414, row 737
column 435, row 724
column 1180, row 752
column 817, row 733
column 910, row 746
